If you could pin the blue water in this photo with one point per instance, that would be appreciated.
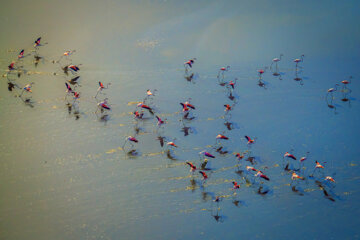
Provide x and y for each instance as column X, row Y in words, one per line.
column 65, row 175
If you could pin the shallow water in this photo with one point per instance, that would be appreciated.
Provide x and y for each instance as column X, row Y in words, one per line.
column 64, row 177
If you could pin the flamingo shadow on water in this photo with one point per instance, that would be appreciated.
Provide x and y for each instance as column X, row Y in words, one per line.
column 186, row 129
column 331, row 105
column 298, row 78
column 192, row 77
column 327, row 191
column 346, row 96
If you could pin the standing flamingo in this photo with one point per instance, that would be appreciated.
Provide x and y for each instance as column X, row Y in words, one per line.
column 331, row 90
column 222, row 71
column 261, row 72
column 276, row 60
column 189, row 64
column 346, row 82
column 297, row 60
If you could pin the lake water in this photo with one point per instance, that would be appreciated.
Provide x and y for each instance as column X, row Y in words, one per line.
column 65, row 175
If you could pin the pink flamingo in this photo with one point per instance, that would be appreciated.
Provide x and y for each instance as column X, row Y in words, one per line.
column 130, row 139
column 206, row 154
column 260, row 174
column 192, row 166
column 276, row 60
column 159, row 121
column 250, row 141
column 346, row 82
column 101, row 87
column 222, row 71
column 331, row 90
column 299, row 60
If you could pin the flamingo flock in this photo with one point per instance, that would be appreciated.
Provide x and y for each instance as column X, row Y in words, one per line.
column 246, row 165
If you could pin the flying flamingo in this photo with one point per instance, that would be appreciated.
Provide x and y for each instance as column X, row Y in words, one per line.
column 171, row 144
column 302, row 159
column 328, row 178
column 318, row 166
column 260, row 174
column 288, row 155
column 138, row 115
column 227, row 107
column 11, row 66
column 159, row 121
column 297, row 60
column 232, row 83
column 68, row 90
column 206, row 154
column 149, row 93
column 276, row 60
column 186, row 105
column 239, row 156
column 220, row 136
column 27, row 88
column 235, row 185
column 295, row 177
column 21, row 54
column 68, row 53
column 192, row 166
column 142, row 105
column 331, row 90
column 250, row 141
column 73, row 68
column 103, row 105
column 203, row 175
column 249, row 168
column 37, row 42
